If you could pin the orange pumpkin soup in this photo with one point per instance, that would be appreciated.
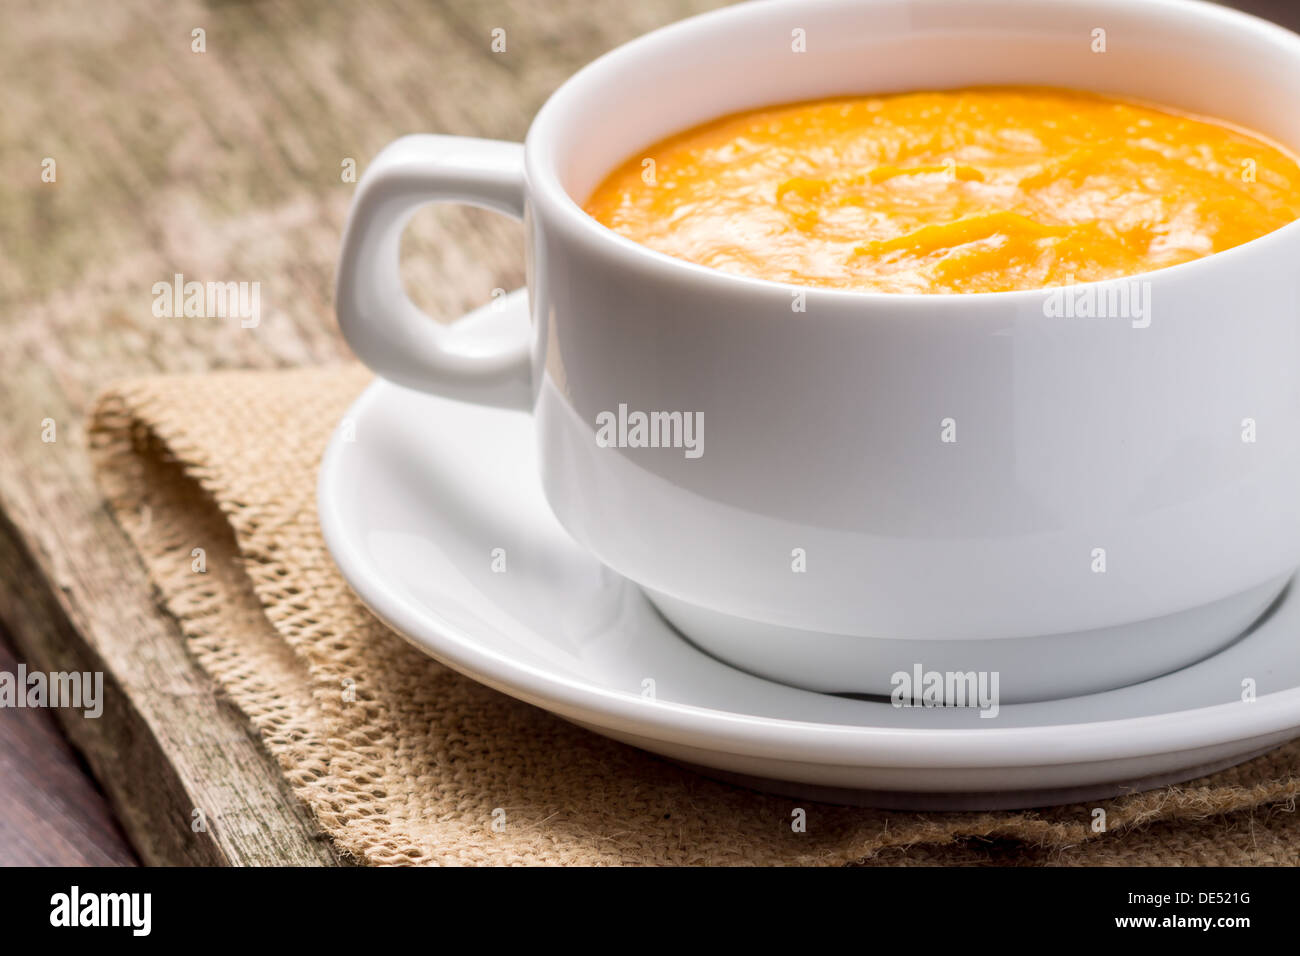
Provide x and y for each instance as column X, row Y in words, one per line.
column 976, row 190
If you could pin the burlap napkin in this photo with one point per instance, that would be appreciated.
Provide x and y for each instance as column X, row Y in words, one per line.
column 413, row 768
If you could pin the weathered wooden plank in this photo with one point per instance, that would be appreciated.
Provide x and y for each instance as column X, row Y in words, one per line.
column 221, row 165
column 166, row 744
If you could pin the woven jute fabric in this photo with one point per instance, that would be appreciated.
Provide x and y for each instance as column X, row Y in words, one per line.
column 402, row 760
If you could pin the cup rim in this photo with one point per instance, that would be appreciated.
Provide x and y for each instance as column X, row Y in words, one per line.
column 564, row 211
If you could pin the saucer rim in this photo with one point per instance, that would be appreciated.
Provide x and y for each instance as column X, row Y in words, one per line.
column 849, row 745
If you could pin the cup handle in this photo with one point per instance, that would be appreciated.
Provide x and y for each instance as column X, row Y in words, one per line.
column 383, row 326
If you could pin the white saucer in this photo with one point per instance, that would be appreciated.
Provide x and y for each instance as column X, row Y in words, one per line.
column 413, row 506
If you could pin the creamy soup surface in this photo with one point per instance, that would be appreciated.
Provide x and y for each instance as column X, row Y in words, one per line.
column 975, row 190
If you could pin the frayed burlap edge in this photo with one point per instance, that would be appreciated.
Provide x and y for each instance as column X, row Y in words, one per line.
column 401, row 760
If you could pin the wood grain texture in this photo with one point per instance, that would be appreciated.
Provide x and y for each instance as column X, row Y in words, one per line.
column 224, row 165
column 221, row 165
column 53, row 814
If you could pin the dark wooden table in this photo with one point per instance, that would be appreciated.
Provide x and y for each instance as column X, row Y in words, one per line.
column 222, row 163
column 51, row 810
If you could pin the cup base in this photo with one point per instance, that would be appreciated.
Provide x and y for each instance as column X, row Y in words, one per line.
column 1028, row 669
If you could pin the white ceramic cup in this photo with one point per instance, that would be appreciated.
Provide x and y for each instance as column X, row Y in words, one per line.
column 1120, row 443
